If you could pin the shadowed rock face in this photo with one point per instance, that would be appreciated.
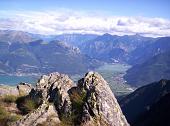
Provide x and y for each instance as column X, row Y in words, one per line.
column 90, row 103
column 137, row 105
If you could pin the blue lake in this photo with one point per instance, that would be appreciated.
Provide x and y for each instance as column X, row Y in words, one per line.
column 14, row 80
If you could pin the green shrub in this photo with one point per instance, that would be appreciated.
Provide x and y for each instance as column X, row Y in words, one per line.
column 67, row 120
column 30, row 105
column 9, row 98
column 14, row 118
column 26, row 104
column 3, row 113
column 6, row 117
column 78, row 100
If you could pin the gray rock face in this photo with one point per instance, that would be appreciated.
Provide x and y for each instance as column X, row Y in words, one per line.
column 39, row 116
column 52, row 89
column 90, row 103
column 101, row 102
column 24, row 88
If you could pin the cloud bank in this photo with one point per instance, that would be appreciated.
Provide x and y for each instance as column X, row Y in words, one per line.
column 59, row 22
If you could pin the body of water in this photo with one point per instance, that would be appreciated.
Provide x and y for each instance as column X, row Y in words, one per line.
column 14, row 80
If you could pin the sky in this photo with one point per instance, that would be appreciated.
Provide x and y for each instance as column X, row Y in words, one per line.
column 120, row 17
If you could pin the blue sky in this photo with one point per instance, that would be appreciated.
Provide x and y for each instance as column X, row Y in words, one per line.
column 147, row 8
column 120, row 17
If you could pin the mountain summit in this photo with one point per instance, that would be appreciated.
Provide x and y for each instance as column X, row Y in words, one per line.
column 90, row 103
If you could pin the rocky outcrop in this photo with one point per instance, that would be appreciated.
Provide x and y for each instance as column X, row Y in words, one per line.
column 90, row 103
column 101, row 102
column 24, row 88
column 21, row 89
column 39, row 116
column 52, row 90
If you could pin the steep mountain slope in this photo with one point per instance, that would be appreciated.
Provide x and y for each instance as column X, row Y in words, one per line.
column 113, row 48
column 157, row 115
column 75, row 39
column 61, row 57
column 16, row 36
column 43, row 57
column 140, row 101
column 141, row 54
column 101, row 47
column 16, row 58
column 151, row 70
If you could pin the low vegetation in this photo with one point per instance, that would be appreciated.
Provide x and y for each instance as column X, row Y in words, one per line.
column 12, row 108
column 8, row 110
column 7, row 117
column 9, row 98
column 77, row 99
column 27, row 104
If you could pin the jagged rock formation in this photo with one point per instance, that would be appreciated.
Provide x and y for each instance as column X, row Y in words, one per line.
column 90, row 103
column 101, row 102
column 51, row 89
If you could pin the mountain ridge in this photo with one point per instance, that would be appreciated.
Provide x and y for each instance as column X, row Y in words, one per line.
column 151, row 70
column 141, row 100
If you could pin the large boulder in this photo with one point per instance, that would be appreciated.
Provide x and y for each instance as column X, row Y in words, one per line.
column 24, row 88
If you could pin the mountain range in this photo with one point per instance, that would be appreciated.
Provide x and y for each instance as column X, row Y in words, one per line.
column 141, row 54
column 112, row 48
column 36, row 56
column 24, row 53
column 154, row 69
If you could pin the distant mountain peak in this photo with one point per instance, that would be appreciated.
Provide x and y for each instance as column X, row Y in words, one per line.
column 106, row 34
column 106, row 37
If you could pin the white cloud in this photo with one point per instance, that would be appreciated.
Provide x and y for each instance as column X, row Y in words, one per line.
column 58, row 22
